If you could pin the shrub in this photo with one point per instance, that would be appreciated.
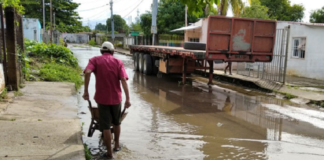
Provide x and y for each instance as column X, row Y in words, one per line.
column 92, row 43
column 60, row 54
column 61, row 73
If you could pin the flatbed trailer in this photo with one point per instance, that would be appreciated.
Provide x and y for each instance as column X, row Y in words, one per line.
column 228, row 40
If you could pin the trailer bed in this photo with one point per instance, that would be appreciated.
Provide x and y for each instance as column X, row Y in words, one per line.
column 194, row 54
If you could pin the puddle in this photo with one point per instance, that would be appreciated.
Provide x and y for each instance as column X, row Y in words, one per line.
column 168, row 121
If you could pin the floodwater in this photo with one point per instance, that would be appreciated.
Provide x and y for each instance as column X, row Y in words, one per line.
column 167, row 121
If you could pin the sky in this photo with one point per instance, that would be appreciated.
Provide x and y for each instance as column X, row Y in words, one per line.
column 97, row 11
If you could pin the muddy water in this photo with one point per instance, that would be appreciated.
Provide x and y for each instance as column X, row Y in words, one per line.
column 167, row 121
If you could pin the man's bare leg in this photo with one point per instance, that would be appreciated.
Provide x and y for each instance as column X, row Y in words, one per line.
column 107, row 140
column 116, row 136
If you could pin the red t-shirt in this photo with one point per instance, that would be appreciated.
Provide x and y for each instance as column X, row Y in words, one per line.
column 108, row 71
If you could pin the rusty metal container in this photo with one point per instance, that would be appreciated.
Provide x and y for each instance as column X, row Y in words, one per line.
column 240, row 39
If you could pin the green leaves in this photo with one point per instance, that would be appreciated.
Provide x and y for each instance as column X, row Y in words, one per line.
column 282, row 10
column 57, row 52
column 13, row 3
column 172, row 16
column 66, row 18
column 256, row 10
column 317, row 16
column 146, row 21
column 119, row 24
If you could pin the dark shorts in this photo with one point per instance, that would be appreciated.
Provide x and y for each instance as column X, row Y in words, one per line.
column 108, row 115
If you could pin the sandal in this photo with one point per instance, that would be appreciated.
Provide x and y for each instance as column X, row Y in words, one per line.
column 105, row 156
column 117, row 149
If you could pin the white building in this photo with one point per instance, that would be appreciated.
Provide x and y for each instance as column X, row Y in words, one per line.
column 32, row 29
column 305, row 49
column 75, row 37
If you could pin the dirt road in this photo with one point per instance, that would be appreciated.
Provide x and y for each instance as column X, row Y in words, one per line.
column 167, row 121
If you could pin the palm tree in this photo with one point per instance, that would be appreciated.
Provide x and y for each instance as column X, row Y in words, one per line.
column 237, row 7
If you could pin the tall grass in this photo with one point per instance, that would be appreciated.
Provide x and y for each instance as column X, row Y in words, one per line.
column 61, row 73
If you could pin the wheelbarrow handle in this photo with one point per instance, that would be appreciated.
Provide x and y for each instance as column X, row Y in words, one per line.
column 123, row 111
column 89, row 103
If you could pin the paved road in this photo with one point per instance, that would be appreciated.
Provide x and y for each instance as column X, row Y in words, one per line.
column 167, row 121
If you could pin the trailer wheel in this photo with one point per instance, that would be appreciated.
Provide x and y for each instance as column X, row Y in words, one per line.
column 147, row 64
column 136, row 61
column 140, row 62
column 194, row 46
column 155, row 65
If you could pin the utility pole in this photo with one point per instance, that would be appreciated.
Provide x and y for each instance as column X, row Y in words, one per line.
column 44, row 38
column 186, row 23
column 154, row 28
column 112, row 22
column 54, row 20
column 51, row 34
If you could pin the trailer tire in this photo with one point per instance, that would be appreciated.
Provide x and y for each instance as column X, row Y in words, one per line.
column 147, row 64
column 136, row 61
column 155, row 68
column 194, row 46
column 140, row 62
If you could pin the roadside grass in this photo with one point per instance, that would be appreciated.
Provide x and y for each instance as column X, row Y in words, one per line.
column 18, row 93
column 61, row 73
column 87, row 152
column 4, row 95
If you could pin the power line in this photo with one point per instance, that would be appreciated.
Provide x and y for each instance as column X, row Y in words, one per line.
column 133, row 9
column 97, row 13
column 92, row 8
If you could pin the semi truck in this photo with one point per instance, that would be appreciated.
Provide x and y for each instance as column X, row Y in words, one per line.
column 228, row 39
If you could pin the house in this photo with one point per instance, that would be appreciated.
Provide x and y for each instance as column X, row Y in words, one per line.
column 305, row 49
column 32, row 29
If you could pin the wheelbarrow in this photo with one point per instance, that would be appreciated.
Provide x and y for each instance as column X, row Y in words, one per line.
column 94, row 125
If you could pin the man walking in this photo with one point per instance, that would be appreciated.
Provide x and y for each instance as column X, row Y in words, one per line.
column 109, row 71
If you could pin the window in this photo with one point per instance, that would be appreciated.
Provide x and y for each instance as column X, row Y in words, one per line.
column 193, row 39
column 299, row 47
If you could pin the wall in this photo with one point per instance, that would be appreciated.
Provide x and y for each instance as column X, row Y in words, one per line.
column 75, row 37
column 128, row 41
column 312, row 65
column 30, row 26
column 2, row 80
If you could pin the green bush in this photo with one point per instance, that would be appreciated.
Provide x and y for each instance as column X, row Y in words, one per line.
column 62, row 43
column 29, row 43
column 3, row 94
column 61, row 73
column 59, row 54
column 92, row 43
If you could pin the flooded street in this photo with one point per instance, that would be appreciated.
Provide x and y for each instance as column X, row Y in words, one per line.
column 168, row 121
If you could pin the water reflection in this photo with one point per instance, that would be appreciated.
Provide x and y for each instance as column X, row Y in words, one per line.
column 234, row 125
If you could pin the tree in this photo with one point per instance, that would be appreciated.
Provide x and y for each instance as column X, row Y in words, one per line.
column 317, row 16
column 119, row 24
column 282, row 10
column 66, row 18
column 171, row 16
column 256, row 10
column 13, row 3
column 237, row 7
column 101, row 27
column 146, row 21
column 200, row 7
column 136, row 26
column 205, row 7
